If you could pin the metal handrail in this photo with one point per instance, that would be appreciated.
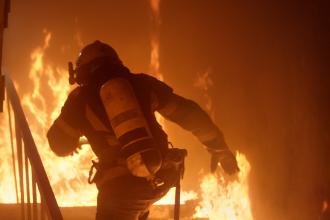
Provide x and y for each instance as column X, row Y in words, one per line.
column 32, row 154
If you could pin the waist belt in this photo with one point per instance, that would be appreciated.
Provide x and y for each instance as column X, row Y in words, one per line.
column 174, row 158
column 105, row 175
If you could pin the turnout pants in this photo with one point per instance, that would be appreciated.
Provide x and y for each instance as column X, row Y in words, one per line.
column 129, row 197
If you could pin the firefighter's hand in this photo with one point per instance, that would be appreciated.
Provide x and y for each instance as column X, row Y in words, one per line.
column 227, row 160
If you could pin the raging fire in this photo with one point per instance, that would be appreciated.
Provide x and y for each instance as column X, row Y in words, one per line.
column 154, row 42
column 68, row 176
column 7, row 191
column 219, row 199
column 224, row 198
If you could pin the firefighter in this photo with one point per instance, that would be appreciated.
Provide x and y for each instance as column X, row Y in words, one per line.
column 115, row 110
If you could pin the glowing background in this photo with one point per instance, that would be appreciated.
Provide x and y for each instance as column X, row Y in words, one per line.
column 269, row 67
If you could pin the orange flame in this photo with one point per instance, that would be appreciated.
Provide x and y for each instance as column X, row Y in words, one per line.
column 7, row 183
column 222, row 200
column 154, row 56
column 169, row 198
column 325, row 206
column 68, row 176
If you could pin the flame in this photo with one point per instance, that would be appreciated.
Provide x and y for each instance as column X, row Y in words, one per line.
column 154, row 44
column 222, row 198
column 226, row 200
column 169, row 198
column 68, row 176
column 7, row 192
column 325, row 206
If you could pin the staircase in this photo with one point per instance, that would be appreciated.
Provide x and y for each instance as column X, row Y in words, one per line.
column 34, row 194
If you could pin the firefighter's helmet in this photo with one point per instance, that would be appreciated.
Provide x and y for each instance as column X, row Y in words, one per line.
column 90, row 59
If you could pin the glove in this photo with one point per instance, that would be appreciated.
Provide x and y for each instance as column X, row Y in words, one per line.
column 227, row 160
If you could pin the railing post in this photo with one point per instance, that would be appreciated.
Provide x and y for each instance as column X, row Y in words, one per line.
column 34, row 196
column 20, row 166
column 27, row 184
column 12, row 148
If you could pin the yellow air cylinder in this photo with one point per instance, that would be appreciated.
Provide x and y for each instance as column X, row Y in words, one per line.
column 130, row 127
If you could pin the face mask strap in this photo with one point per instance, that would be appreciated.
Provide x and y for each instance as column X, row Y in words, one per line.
column 72, row 74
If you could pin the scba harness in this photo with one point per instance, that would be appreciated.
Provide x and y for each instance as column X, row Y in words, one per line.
column 173, row 162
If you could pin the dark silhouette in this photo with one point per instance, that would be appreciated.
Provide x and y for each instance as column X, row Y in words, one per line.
column 114, row 109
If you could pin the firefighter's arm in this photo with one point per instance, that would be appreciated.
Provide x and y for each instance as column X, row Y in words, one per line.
column 63, row 136
column 190, row 116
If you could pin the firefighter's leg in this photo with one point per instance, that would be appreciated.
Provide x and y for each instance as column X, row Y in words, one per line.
column 125, row 199
column 114, row 207
column 129, row 197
